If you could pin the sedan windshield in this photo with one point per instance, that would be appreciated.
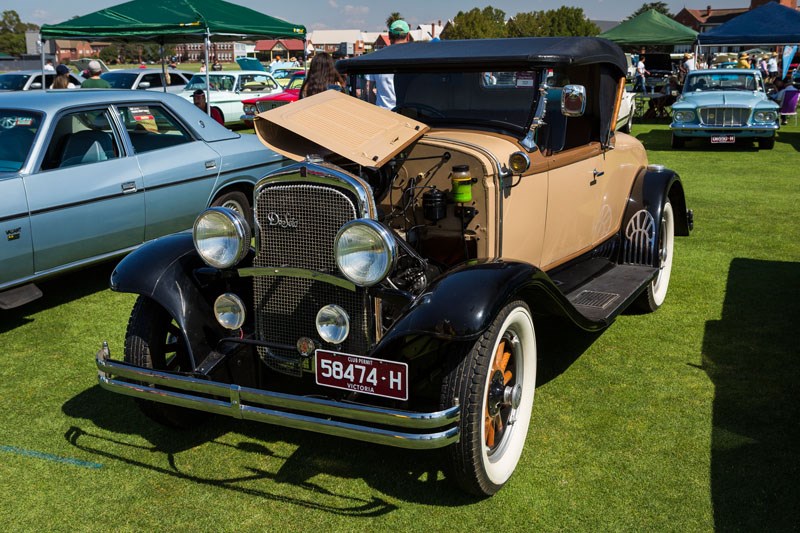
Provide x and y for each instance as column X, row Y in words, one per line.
column 721, row 81
column 13, row 82
column 218, row 82
column 120, row 80
column 17, row 131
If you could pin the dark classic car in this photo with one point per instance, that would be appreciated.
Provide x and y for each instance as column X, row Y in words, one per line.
column 89, row 175
column 399, row 266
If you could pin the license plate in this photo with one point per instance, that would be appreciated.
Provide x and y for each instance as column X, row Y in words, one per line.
column 366, row 375
column 723, row 139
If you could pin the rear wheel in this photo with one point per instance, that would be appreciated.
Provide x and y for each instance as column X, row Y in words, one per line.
column 235, row 201
column 656, row 292
column 767, row 143
column 494, row 385
column 153, row 340
column 677, row 142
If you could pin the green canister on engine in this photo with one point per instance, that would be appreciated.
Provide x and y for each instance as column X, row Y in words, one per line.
column 461, row 181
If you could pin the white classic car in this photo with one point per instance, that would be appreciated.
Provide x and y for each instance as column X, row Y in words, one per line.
column 228, row 89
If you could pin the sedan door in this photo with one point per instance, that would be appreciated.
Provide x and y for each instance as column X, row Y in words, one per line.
column 85, row 199
column 179, row 171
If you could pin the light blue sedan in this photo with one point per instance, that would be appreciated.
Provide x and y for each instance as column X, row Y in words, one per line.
column 724, row 106
column 86, row 175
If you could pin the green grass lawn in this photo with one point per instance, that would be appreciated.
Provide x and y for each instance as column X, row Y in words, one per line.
column 683, row 420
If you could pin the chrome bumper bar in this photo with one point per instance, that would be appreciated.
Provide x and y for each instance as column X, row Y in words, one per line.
column 239, row 404
column 746, row 128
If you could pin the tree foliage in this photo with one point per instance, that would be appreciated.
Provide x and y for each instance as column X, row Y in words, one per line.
column 12, row 33
column 564, row 21
column 661, row 7
column 392, row 17
column 487, row 23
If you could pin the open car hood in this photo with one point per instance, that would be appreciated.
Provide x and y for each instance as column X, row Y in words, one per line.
column 332, row 122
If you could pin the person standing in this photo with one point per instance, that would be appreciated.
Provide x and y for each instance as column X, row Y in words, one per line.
column 384, row 83
column 199, row 99
column 48, row 66
column 744, row 60
column 61, row 81
column 772, row 66
column 95, row 81
column 641, row 73
column 321, row 76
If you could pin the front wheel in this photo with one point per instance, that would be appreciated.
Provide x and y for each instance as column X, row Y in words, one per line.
column 494, row 384
column 656, row 291
column 153, row 340
column 767, row 143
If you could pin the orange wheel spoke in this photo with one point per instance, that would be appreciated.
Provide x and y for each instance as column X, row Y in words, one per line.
column 507, row 377
column 489, row 428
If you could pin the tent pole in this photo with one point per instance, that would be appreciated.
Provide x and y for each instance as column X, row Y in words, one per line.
column 163, row 66
column 41, row 47
column 208, row 67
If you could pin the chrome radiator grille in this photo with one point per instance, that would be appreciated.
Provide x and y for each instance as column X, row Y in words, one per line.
column 266, row 106
column 724, row 116
column 298, row 224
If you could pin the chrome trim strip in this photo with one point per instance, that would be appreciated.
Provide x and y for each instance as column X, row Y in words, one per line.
column 237, row 407
column 297, row 273
column 743, row 129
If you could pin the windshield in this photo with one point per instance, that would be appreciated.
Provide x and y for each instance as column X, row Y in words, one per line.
column 720, row 81
column 497, row 100
column 120, row 80
column 17, row 131
column 13, row 82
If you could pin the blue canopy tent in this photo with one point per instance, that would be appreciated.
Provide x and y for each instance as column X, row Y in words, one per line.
column 770, row 24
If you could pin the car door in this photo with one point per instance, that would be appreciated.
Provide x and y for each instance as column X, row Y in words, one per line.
column 85, row 197
column 179, row 170
column 16, row 246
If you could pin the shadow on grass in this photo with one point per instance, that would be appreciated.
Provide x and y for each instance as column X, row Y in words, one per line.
column 407, row 475
column 789, row 137
column 751, row 355
column 59, row 290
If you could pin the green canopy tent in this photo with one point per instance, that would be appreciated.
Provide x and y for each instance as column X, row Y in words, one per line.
column 650, row 28
column 174, row 21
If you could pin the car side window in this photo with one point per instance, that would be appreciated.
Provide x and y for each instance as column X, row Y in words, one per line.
column 176, row 79
column 81, row 138
column 153, row 79
column 151, row 127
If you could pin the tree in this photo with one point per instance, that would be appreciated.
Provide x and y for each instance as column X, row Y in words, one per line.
column 477, row 24
column 564, row 21
column 12, row 33
column 661, row 7
column 109, row 54
column 392, row 17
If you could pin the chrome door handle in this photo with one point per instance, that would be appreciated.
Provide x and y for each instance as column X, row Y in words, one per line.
column 128, row 187
column 211, row 165
column 596, row 174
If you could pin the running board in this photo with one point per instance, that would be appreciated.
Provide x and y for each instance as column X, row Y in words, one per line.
column 607, row 295
column 19, row 296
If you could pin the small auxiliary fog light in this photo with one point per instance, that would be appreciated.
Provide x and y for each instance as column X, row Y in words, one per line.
column 333, row 324
column 229, row 311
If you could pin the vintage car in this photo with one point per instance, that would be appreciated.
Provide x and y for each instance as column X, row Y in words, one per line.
column 724, row 106
column 389, row 287
column 90, row 175
column 230, row 87
column 147, row 78
column 627, row 109
column 291, row 93
column 25, row 80
column 284, row 75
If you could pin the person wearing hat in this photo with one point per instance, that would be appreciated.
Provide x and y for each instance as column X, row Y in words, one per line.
column 744, row 60
column 384, row 83
column 61, row 81
column 95, row 81
column 772, row 65
column 199, row 99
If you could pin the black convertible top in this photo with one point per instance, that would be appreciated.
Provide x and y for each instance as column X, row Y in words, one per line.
column 487, row 54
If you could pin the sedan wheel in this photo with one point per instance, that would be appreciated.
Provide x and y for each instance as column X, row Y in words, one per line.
column 494, row 384
column 235, row 201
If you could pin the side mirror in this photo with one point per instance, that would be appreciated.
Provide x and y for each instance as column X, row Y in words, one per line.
column 144, row 85
column 573, row 101
column 36, row 85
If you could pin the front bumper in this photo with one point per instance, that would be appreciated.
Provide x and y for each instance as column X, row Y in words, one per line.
column 376, row 425
column 701, row 130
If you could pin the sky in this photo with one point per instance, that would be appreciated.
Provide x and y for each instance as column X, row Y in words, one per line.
column 365, row 15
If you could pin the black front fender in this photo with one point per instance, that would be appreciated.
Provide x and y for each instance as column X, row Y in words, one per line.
column 164, row 270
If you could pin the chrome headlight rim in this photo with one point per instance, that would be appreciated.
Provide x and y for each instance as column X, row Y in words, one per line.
column 389, row 247
column 328, row 332
column 235, row 308
column 683, row 115
column 765, row 116
column 241, row 234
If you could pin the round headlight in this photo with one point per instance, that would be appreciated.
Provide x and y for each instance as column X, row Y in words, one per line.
column 684, row 116
column 333, row 324
column 221, row 237
column 365, row 252
column 229, row 310
column 765, row 116
column 519, row 162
